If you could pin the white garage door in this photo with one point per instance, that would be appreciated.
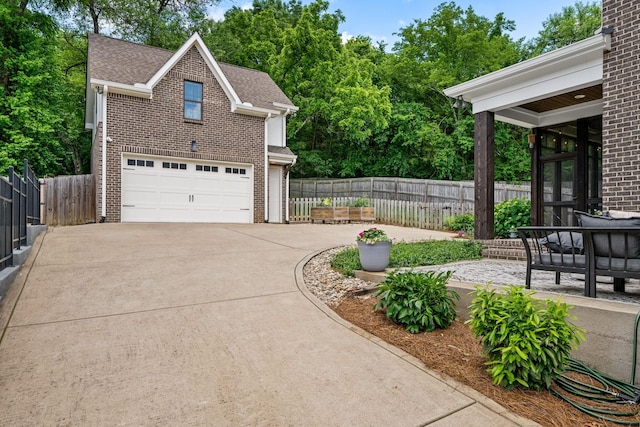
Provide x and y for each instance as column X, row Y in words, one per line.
column 181, row 190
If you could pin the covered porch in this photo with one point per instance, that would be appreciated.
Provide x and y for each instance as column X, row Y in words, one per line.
column 558, row 95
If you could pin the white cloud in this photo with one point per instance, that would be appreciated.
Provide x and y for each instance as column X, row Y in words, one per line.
column 217, row 13
column 345, row 36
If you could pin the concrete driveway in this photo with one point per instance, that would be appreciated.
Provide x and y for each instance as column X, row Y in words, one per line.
column 180, row 324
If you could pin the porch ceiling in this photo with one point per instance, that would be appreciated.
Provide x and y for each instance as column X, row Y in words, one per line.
column 542, row 91
column 569, row 99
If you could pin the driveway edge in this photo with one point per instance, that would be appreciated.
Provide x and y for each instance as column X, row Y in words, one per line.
column 478, row 397
column 11, row 298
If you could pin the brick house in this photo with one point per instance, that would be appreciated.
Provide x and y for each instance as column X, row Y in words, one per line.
column 179, row 137
column 581, row 104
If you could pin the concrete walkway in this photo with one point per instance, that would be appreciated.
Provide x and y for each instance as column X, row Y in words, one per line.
column 161, row 324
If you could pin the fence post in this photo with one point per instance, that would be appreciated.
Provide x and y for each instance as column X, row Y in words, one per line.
column 6, row 223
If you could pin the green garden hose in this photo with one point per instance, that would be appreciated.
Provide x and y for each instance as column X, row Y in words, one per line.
column 635, row 349
column 609, row 391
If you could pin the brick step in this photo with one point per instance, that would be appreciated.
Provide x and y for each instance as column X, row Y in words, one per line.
column 504, row 253
column 510, row 249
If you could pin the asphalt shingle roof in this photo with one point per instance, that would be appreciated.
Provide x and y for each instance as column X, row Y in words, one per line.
column 125, row 62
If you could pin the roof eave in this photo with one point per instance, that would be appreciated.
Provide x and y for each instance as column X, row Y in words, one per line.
column 138, row 90
column 285, row 107
column 572, row 55
column 250, row 110
column 282, row 159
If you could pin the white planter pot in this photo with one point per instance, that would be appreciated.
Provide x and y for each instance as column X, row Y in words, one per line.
column 374, row 257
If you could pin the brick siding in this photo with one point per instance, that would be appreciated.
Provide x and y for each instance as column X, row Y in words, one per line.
column 510, row 249
column 621, row 107
column 157, row 127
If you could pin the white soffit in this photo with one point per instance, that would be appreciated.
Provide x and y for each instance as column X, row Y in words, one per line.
column 573, row 67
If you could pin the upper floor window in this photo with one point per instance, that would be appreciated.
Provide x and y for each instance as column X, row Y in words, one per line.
column 192, row 100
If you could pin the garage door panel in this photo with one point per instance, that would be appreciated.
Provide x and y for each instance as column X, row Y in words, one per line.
column 180, row 190
column 232, row 202
column 140, row 198
column 170, row 199
column 174, row 182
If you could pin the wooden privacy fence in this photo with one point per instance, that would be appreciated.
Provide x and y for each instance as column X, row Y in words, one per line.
column 415, row 190
column 431, row 215
column 69, row 200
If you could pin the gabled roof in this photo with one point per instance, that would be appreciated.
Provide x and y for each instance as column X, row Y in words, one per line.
column 512, row 92
column 135, row 69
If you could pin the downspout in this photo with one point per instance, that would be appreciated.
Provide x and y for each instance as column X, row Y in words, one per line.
column 103, row 213
column 288, row 168
column 266, row 168
column 286, row 205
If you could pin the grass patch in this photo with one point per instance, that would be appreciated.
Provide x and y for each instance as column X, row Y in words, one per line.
column 416, row 254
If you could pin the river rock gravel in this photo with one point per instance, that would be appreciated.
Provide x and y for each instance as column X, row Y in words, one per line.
column 326, row 284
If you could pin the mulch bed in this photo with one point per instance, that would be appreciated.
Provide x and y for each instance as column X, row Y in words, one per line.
column 454, row 352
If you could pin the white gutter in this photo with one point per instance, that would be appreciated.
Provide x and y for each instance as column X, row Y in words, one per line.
column 103, row 213
column 138, row 90
column 289, row 108
column 266, row 168
column 250, row 110
column 558, row 60
column 286, row 198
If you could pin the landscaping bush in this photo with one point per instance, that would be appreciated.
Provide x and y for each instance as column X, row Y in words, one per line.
column 419, row 301
column 361, row 202
column 463, row 222
column 527, row 340
column 511, row 214
column 415, row 254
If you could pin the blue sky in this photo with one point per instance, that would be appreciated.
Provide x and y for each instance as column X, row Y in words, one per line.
column 379, row 19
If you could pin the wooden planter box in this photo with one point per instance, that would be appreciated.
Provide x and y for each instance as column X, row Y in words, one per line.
column 330, row 213
column 362, row 214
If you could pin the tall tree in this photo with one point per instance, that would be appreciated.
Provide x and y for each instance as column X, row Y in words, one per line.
column 252, row 37
column 454, row 45
column 161, row 23
column 31, row 91
column 572, row 24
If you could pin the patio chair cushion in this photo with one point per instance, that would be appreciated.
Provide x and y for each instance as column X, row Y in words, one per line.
column 623, row 245
column 565, row 241
column 617, row 264
column 577, row 261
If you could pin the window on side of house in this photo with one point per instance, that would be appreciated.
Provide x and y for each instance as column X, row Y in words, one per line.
column 192, row 100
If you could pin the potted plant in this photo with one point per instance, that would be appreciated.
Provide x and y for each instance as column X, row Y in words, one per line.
column 374, row 247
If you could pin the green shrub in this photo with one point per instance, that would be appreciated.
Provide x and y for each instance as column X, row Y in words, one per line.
column 463, row 222
column 510, row 214
column 361, row 202
column 419, row 301
column 527, row 340
column 414, row 254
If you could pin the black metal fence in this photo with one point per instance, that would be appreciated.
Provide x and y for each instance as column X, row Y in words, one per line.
column 19, row 206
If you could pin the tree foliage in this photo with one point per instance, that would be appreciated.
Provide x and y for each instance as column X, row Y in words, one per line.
column 364, row 109
column 572, row 24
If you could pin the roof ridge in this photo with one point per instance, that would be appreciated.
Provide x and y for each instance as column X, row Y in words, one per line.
column 131, row 42
column 174, row 51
